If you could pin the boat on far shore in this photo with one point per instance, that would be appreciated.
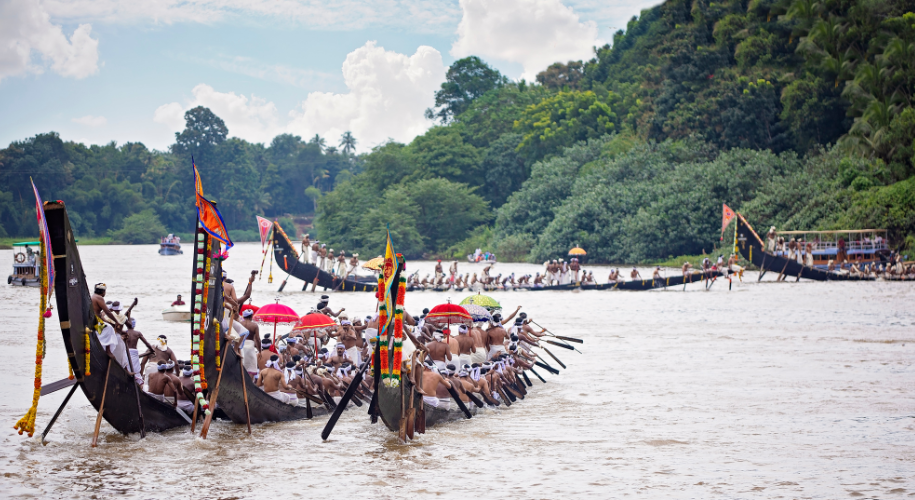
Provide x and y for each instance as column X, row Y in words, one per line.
column 170, row 245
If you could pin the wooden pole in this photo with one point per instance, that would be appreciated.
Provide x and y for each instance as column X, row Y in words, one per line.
column 101, row 408
column 209, row 418
column 137, row 393
column 244, row 391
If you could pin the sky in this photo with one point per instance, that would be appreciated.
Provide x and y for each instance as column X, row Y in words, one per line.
column 97, row 71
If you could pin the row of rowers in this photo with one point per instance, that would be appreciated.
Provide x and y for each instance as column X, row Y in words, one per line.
column 320, row 366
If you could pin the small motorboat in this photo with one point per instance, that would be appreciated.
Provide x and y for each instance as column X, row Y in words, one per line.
column 170, row 245
column 26, row 265
column 177, row 313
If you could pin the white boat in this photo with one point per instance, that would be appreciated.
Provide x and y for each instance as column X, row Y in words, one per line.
column 177, row 313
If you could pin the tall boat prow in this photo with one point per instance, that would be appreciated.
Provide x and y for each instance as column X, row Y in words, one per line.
column 86, row 355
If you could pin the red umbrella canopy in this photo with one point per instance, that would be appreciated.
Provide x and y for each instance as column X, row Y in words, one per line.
column 449, row 314
column 247, row 307
column 313, row 321
column 276, row 313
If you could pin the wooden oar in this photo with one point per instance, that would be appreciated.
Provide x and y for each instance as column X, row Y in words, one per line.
column 546, row 367
column 329, row 427
column 244, row 391
column 209, row 418
column 136, row 391
column 527, row 379
column 564, row 346
column 56, row 386
column 505, row 398
column 475, row 400
column 554, row 357
column 763, row 268
column 57, row 413
column 101, row 408
column 537, row 374
column 569, row 339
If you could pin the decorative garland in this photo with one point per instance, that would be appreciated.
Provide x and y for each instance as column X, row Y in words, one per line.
column 201, row 275
column 87, row 348
column 27, row 423
column 398, row 334
column 383, row 332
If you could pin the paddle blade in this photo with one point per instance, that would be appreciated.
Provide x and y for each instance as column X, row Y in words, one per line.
column 547, row 367
column 570, row 339
column 564, row 346
column 343, row 403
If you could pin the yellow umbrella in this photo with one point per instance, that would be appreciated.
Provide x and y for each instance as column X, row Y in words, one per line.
column 577, row 251
column 374, row 264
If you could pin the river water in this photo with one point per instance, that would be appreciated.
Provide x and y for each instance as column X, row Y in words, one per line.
column 766, row 390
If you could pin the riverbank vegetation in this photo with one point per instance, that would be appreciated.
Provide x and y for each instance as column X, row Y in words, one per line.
column 797, row 113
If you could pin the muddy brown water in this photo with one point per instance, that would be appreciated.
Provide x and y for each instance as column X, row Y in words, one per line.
column 767, row 390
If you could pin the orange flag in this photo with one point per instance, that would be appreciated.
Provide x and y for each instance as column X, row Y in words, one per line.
column 209, row 217
column 727, row 215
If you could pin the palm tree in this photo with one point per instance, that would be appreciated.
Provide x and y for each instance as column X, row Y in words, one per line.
column 319, row 141
column 348, row 142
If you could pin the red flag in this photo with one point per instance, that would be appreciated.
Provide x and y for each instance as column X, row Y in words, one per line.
column 727, row 215
column 263, row 225
column 209, row 217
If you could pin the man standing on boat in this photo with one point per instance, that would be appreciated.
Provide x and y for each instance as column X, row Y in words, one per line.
column 439, row 271
column 306, row 248
column 252, row 345
column 132, row 338
column 495, row 337
column 575, row 267
column 732, row 265
column 772, row 239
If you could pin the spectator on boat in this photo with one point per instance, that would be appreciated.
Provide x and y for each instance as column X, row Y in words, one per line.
column 159, row 381
column 781, row 245
column 576, row 268
column 353, row 263
column 772, row 239
column 656, row 275
column 809, row 257
column 685, row 269
column 178, row 302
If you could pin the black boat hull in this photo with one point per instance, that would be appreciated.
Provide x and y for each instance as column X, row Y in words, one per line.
column 751, row 248
column 74, row 309
column 389, row 404
column 287, row 258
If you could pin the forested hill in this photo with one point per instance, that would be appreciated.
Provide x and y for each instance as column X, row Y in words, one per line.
column 797, row 113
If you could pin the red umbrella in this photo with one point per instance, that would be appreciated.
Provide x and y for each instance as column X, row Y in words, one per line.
column 247, row 307
column 312, row 322
column 276, row 314
column 448, row 314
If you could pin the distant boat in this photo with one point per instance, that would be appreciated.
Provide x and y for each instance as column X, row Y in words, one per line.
column 177, row 313
column 26, row 265
column 170, row 245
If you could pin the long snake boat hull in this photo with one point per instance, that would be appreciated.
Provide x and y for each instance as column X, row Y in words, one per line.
column 77, row 321
column 751, row 248
column 652, row 284
column 390, row 408
column 287, row 258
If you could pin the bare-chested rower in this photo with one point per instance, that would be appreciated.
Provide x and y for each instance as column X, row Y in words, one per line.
column 131, row 339
column 272, row 381
column 160, row 352
column 466, row 346
column 439, row 351
column 159, row 381
column 435, row 389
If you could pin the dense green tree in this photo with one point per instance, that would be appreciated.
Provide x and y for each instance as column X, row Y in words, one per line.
column 564, row 119
column 140, row 228
column 442, row 152
column 560, row 76
column 466, row 80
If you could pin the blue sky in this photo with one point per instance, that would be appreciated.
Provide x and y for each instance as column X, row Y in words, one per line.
column 126, row 71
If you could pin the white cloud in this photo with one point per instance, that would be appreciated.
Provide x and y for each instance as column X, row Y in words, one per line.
column 91, row 121
column 387, row 95
column 534, row 33
column 252, row 119
column 25, row 27
column 421, row 15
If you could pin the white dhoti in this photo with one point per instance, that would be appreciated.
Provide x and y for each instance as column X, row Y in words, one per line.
column 444, row 403
column 314, row 258
column 249, row 357
column 441, row 365
column 736, row 269
column 479, row 356
column 135, row 362
column 355, row 355
column 496, row 349
column 108, row 338
column 289, row 399
column 431, row 401
column 165, row 399
column 186, row 406
column 237, row 329
column 463, row 359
